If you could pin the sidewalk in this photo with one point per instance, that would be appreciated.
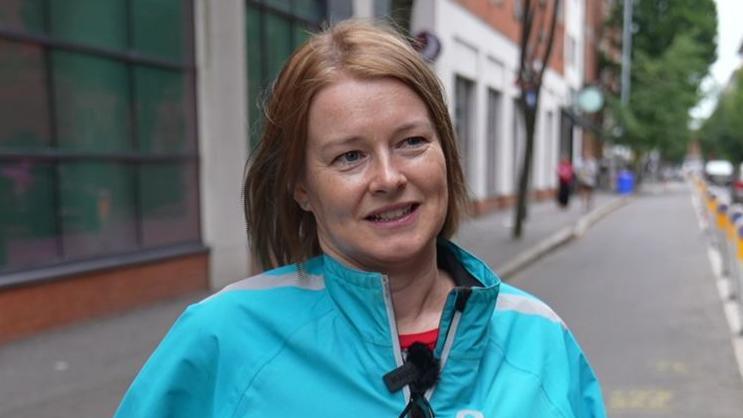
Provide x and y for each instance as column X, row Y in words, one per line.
column 82, row 370
column 546, row 227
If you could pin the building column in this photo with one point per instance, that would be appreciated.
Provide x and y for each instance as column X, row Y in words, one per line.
column 223, row 142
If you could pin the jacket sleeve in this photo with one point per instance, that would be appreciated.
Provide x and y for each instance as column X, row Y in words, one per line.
column 178, row 380
column 586, row 400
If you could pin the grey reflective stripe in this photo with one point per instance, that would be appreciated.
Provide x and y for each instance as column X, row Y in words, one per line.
column 393, row 331
column 447, row 346
column 526, row 305
column 268, row 281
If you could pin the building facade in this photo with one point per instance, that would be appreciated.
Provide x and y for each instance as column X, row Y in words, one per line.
column 125, row 126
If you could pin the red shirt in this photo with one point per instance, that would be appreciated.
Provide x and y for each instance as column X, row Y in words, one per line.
column 428, row 338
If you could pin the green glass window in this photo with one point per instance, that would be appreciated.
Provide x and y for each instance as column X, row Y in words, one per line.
column 27, row 214
column 92, row 102
column 169, row 203
column 281, row 5
column 90, row 22
column 159, row 28
column 97, row 209
column 274, row 29
column 300, row 35
column 312, row 10
column 161, row 110
column 98, row 151
column 23, row 97
column 26, row 15
column 279, row 43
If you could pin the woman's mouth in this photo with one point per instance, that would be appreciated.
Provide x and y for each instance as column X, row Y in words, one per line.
column 393, row 214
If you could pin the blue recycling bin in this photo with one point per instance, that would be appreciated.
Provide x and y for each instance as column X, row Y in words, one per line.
column 625, row 182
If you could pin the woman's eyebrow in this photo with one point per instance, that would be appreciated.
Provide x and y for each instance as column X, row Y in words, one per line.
column 415, row 124
column 350, row 140
column 341, row 141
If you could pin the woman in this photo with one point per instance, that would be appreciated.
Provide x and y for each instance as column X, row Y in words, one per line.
column 354, row 190
column 565, row 181
column 587, row 181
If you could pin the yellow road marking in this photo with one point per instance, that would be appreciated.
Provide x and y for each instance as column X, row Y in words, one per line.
column 671, row 367
column 645, row 399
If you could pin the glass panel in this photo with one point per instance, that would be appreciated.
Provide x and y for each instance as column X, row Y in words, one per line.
column 161, row 111
column 90, row 22
column 311, row 10
column 301, row 34
column 278, row 45
column 159, row 28
column 493, row 143
column 27, row 218
column 283, row 5
column 98, row 209
column 24, row 117
column 22, row 14
column 169, row 199
column 463, row 117
column 92, row 103
column 256, row 78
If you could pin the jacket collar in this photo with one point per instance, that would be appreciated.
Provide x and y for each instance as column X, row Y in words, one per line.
column 363, row 299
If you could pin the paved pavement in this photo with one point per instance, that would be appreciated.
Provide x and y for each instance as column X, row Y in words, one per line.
column 639, row 292
column 546, row 227
column 82, row 370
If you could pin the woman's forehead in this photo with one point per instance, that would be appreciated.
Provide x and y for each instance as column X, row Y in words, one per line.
column 349, row 105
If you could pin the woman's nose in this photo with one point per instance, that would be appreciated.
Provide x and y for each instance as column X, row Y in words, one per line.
column 388, row 176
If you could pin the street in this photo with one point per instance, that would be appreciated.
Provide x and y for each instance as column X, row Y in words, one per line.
column 639, row 293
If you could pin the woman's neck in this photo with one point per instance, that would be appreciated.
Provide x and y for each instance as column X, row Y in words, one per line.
column 418, row 296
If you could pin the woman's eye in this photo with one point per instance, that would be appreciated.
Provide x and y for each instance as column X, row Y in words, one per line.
column 349, row 157
column 414, row 141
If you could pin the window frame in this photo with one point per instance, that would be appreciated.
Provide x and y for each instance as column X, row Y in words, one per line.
column 55, row 156
column 265, row 77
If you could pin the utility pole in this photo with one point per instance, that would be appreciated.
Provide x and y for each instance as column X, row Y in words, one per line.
column 626, row 51
column 625, row 86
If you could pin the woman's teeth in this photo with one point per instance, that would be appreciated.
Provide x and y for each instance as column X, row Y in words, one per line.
column 391, row 215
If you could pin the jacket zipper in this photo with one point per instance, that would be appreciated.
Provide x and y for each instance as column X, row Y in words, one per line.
column 393, row 331
column 463, row 295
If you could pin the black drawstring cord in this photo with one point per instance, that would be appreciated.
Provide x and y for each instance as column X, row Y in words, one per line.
column 417, row 407
column 420, row 372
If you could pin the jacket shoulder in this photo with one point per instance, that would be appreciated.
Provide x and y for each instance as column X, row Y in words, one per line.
column 535, row 340
column 216, row 345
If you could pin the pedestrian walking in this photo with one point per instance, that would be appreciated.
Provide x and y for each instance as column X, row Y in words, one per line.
column 354, row 192
column 565, row 179
column 587, row 172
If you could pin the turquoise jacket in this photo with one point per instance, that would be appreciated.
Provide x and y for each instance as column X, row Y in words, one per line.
column 315, row 339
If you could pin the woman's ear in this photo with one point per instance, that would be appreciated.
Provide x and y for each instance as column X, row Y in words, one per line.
column 301, row 196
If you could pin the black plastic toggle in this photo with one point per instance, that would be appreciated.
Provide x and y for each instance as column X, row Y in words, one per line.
column 420, row 370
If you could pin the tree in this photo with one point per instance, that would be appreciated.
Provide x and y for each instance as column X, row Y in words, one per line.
column 721, row 134
column 673, row 46
column 536, row 50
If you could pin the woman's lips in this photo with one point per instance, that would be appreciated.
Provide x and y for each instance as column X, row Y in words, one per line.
column 394, row 217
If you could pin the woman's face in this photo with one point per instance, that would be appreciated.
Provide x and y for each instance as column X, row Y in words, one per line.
column 375, row 176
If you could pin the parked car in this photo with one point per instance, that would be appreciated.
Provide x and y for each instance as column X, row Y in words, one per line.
column 719, row 172
column 736, row 186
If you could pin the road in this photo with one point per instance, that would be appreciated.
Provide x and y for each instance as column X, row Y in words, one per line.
column 640, row 295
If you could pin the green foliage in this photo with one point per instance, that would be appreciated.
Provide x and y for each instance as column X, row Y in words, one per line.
column 721, row 135
column 673, row 46
column 659, row 22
